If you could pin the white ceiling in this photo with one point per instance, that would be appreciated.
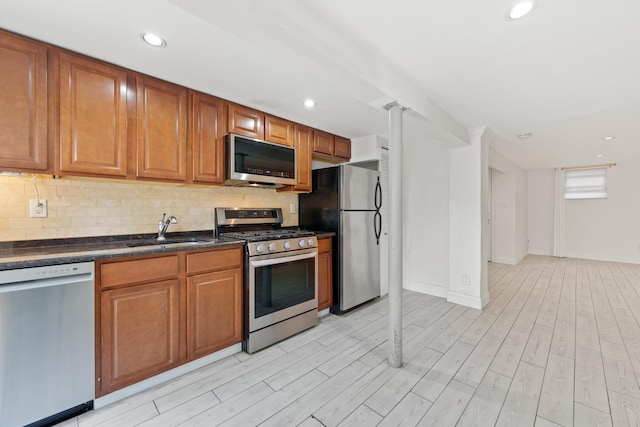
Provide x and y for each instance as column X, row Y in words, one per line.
column 569, row 73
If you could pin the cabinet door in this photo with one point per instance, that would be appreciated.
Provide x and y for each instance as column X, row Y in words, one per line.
column 279, row 131
column 93, row 117
column 139, row 333
column 214, row 311
column 208, row 128
column 323, row 142
column 245, row 121
column 304, row 145
column 325, row 296
column 161, row 137
column 342, row 147
column 23, row 104
column 325, row 274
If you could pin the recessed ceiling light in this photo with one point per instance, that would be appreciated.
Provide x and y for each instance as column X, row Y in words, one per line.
column 599, row 155
column 153, row 39
column 608, row 138
column 525, row 135
column 520, row 9
column 309, row 103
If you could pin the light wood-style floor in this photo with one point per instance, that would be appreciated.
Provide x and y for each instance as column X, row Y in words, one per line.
column 559, row 344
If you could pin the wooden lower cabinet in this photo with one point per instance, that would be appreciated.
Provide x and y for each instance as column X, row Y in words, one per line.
column 155, row 313
column 214, row 307
column 325, row 274
column 140, row 332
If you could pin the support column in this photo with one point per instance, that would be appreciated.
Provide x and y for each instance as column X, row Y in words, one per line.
column 394, row 358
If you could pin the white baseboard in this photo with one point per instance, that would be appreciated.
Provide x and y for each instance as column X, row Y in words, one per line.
column 540, row 252
column 425, row 288
column 510, row 261
column 165, row 376
column 626, row 260
column 466, row 300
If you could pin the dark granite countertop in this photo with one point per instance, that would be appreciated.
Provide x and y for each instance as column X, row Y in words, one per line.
column 321, row 234
column 36, row 253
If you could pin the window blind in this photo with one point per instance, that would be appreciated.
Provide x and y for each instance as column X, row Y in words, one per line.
column 585, row 183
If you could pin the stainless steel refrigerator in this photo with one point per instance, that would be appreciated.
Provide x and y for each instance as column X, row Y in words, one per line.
column 346, row 199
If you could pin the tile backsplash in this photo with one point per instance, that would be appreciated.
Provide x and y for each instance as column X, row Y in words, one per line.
column 82, row 207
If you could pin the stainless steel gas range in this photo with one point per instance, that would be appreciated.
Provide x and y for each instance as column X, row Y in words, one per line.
column 281, row 274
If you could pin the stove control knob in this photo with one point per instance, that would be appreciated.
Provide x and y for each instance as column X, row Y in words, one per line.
column 310, row 242
column 287, row 244
column 301, row 243
column 260, row 248
column 271, row 247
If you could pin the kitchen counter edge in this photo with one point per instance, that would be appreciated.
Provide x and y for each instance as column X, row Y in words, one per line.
column 38, row 256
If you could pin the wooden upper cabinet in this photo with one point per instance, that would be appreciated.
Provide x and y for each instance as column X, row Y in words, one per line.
column 23, row 105
column 342, row 147
column 161, row 130
column 304, row 146
column 323, row 143
column 279, row 130
column 245, row 121
column 93, row 117
column 331, row 147
column 207, row 130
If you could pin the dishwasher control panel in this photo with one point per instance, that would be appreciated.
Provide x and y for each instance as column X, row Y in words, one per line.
column 46, row 272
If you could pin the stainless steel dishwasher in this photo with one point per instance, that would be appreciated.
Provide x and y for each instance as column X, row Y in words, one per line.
column 46, row 343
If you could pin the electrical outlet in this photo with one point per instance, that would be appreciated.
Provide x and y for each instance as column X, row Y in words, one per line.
column 466, row 280
column 38, row 210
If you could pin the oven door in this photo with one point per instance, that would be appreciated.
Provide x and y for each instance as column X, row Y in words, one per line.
column 282, row 286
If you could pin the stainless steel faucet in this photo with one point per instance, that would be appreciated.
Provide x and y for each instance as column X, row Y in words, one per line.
column 163, row 225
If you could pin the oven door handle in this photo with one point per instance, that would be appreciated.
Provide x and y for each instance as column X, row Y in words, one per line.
column 282, row 259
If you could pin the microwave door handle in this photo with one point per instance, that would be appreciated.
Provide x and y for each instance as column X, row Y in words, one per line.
column 279, row 260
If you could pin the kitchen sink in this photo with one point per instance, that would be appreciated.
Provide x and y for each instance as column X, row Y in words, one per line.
column 155, row 242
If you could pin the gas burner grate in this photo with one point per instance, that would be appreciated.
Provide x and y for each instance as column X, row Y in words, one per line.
column 256, row 236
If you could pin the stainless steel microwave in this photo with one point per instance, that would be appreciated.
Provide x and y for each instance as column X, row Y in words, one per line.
column 252, row 162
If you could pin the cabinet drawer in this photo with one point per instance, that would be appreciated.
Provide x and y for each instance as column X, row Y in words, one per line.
column 138, row 271
column 324, row 244
column 214, row 260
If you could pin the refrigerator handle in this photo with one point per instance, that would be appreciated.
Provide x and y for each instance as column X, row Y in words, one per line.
column 378, row 196
column 377, row 226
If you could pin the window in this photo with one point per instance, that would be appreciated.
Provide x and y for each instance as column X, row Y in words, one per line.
column 585, row 183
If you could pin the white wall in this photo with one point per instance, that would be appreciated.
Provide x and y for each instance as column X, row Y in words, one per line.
column 608, row 229
column 468, row 226
column 540, row 208
column 503, row 240
column 426, row 218
column 602, row 229
column 522, row 217
column 509, row 200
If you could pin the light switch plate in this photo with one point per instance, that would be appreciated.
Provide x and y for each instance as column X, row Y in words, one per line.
column 292, row 208
column 38, row 211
